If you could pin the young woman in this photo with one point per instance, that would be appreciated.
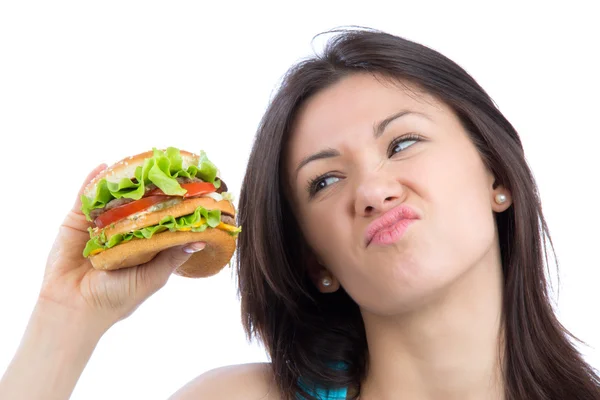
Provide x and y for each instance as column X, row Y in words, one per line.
column 393, row 248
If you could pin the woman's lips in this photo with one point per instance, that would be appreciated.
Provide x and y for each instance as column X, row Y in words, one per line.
column 390, row 227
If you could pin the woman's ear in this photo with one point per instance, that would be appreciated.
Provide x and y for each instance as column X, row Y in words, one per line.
column 323, row 280
column 500, row 197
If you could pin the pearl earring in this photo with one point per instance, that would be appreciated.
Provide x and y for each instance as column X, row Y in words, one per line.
column 500, row 198
column 326, row 282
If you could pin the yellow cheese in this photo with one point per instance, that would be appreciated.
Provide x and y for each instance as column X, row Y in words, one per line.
column 226, row 227
column 194, row 226
column 96, row 251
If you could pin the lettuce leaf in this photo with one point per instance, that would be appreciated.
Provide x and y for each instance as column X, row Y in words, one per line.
column 162, row 169
column 199, row 221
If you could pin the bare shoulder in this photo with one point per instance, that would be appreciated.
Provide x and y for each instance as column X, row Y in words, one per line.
column 244, row 381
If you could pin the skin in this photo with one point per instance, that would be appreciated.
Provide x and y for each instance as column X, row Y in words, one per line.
column 431, row 301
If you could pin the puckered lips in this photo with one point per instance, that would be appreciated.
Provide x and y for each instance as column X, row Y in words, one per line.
column 390, row 226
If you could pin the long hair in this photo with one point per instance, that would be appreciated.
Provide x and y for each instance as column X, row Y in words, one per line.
column 307, row 333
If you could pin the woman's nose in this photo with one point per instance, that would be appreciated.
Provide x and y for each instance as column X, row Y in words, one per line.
column 376, row 196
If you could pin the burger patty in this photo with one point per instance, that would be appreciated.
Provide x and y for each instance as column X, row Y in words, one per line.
column 226, row 219
column 114, row 203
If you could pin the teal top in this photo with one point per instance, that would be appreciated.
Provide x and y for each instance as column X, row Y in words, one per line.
column 321, row 393
column 327, row 394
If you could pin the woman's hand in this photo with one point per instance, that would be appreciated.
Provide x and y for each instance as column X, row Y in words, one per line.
column 106, row 297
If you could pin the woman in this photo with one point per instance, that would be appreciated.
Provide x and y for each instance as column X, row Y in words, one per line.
column 391, row 249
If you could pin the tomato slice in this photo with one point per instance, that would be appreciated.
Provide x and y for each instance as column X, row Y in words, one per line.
column 126, row 210
column 193, row 189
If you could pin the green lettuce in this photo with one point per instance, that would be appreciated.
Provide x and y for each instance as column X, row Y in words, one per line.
column 161, row 169
column 199, row 221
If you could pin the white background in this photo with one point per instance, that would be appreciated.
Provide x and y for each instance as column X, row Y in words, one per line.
column 88, row 82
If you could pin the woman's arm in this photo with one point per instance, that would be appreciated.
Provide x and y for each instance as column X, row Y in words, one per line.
column 76, row 305
column 55, row 348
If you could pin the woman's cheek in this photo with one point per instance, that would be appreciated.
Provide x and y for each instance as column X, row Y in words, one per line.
column 324, row 235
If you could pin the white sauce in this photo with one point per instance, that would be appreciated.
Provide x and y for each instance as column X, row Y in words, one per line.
column 156, row 207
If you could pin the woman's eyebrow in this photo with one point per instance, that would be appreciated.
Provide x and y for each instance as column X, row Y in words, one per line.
column 326, row 153
column 379, row 128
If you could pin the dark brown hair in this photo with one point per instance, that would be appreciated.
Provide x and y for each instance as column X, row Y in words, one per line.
column 307, row 334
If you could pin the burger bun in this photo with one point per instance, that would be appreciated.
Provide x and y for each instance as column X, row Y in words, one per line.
column 219, row 249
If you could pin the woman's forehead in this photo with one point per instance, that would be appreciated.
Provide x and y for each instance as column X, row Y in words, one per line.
column 357, row 100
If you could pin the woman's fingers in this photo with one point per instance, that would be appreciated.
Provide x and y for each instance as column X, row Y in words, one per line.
column 154, row 275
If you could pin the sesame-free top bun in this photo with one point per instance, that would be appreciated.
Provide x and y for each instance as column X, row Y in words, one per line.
column 218, row 251
column 126, row 169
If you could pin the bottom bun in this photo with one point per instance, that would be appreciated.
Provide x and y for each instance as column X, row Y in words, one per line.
column 218, row 251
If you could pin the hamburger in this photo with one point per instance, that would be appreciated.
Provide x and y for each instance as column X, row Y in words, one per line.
column 149, row 202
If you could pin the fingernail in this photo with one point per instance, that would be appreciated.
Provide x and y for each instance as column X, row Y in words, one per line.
column 194, row 247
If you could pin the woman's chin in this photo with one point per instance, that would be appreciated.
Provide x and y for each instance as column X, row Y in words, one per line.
column 406, row 289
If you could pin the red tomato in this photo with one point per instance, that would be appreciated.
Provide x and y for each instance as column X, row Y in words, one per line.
column 193, row 189
column 126, row 210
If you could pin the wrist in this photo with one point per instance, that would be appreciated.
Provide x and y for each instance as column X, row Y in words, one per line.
column 55, row 318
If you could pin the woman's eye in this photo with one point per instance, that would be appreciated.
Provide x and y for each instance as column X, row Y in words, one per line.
column 402, row 143
column 320, row 183
column 399, row 144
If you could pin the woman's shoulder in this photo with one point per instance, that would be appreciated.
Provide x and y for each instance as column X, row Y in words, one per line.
column 244, row 381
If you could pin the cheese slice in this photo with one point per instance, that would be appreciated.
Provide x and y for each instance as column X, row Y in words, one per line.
column 226, row 227
column 94, row 252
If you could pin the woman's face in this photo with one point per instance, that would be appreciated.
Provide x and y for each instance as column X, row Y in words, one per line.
column 365, row 169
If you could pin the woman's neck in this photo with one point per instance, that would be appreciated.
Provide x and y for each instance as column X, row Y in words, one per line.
column 449, row 349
